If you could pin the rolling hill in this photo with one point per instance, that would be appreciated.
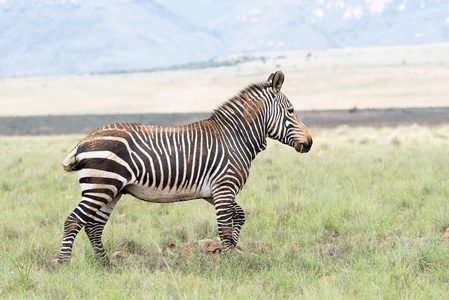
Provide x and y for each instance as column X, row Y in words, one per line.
column 58, row 37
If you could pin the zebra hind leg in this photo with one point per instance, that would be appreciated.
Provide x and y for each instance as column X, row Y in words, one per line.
column 93, row 210
column 94, row 229
column 72, row 225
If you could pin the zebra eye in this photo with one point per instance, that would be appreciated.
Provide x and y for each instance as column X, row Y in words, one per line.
column 290, row 110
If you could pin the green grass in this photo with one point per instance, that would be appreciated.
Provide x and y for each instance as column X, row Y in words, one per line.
column 357, row 217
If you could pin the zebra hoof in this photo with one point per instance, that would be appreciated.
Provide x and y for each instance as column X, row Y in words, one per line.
column 232, row 250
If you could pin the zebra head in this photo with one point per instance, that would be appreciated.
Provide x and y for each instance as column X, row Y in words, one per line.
column 282, row 123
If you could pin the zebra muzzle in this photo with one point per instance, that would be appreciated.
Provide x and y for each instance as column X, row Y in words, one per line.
column 303, row 147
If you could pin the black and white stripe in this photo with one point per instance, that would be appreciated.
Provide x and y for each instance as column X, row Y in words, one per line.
column 207, row 160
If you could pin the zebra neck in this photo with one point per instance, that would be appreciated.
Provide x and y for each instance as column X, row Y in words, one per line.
column 246, row 137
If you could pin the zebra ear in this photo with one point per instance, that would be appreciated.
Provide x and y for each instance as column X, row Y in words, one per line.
column 275, row 81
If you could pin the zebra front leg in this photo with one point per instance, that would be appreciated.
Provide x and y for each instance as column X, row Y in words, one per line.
column 238, row 219
column 94, row 229
column 225, row 211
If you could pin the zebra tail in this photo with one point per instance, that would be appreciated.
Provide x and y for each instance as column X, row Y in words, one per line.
column 69, row 165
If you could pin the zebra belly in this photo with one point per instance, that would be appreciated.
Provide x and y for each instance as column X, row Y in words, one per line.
column 167, row 195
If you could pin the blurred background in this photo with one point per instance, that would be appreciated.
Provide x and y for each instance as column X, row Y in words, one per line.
column 104, row 57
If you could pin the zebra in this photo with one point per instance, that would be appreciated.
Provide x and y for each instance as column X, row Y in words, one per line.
column 208, row 159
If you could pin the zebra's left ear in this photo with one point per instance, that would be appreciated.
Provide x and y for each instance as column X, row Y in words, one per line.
column 275, row 81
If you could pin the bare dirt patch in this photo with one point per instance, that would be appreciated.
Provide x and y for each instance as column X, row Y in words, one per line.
column 83, row 124
column 375, row 117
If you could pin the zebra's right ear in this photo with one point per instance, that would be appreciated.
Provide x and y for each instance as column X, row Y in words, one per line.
column 275, row 81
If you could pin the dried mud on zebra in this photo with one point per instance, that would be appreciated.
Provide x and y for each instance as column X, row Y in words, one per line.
column 209, row 160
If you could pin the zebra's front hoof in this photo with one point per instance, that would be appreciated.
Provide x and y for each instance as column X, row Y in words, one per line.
column 232, row 249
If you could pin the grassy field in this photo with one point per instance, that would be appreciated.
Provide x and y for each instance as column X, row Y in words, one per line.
column 360, row 216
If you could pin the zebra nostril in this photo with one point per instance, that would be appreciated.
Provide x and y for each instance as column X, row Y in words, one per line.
column 306, row 147
column 302, row 147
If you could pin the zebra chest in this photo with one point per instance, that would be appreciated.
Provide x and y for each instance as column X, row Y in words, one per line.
column 167, row 195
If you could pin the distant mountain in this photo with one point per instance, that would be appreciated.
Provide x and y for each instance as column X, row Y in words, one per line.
column 55, row 37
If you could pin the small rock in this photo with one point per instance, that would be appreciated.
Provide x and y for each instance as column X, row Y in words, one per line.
column 119, row 254
column 209, row 246
column 189, row 248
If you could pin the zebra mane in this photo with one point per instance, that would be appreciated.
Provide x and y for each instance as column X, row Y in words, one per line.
column 249, row 100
